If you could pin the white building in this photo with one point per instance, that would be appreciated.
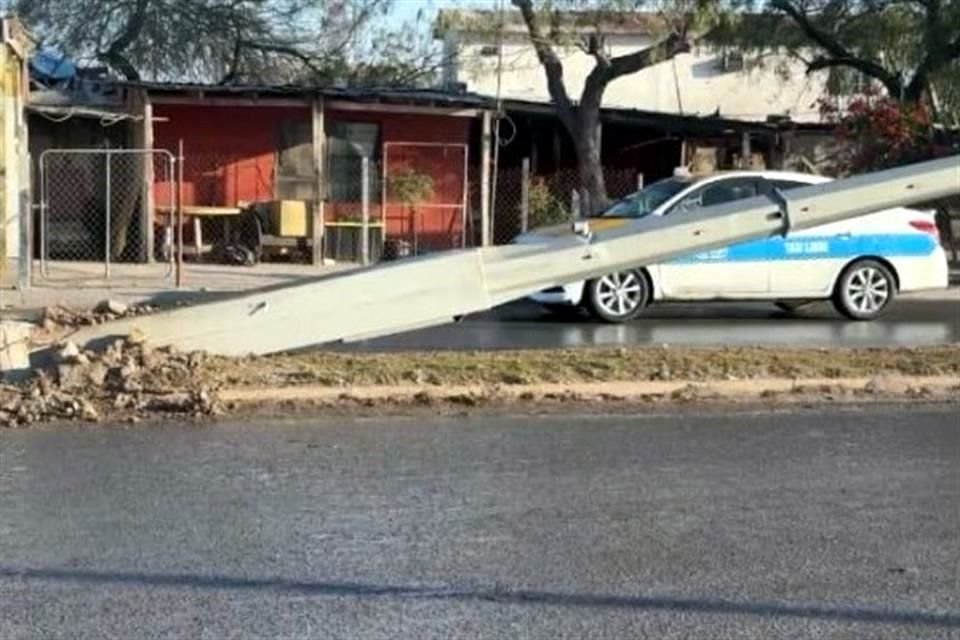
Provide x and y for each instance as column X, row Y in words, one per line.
column 706, row 81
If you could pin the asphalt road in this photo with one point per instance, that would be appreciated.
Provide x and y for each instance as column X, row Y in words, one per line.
column 826, row 524
column 910, row 322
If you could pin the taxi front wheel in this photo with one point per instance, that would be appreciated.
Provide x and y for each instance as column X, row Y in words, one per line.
column 618, row 297
column 864, row 290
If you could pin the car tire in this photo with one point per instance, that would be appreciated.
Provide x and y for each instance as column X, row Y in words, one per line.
column 618, row 297
column 865, row 288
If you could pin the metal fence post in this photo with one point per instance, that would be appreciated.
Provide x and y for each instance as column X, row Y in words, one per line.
column 365, row 211
column 44, row 208
column 574, row 204
column 639, row 182
column 525, row 195
column 178, row 214
column 109, row 213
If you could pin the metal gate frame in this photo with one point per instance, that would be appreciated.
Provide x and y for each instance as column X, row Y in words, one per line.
column 462, row 205
column 170, row 240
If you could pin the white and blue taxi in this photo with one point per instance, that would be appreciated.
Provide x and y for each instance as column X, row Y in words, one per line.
column 859, row 264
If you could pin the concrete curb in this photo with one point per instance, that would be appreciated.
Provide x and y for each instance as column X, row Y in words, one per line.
column 918, row 386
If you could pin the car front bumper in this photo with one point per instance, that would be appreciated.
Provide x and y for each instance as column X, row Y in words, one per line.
column 568, row 295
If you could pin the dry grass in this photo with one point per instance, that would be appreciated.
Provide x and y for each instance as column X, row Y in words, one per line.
column 572, row 366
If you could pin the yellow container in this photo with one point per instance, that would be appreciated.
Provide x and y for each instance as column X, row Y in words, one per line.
column 289, row 218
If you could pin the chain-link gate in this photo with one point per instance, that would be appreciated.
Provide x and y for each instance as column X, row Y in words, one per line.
column 425, row 195
column 106, row 216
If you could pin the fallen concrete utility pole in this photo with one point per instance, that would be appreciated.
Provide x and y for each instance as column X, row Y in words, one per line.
column 420, row 292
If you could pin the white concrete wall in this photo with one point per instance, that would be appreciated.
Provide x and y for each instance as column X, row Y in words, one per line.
column 693, row 83
column 12, row 144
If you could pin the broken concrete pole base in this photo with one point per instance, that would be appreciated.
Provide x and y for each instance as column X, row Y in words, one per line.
column 15, row 350
column 125, row 381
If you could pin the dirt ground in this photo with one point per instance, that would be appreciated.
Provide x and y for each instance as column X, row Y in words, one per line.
column 130, row 381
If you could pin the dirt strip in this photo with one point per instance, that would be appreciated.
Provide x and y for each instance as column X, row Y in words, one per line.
column 130, row 380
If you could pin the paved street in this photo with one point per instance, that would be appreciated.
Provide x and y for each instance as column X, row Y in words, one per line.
column 812, row 524
column 910, row 322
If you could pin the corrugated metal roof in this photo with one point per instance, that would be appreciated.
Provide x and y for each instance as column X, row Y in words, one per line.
column 691, row 122
column 452, row 99
column 421, row 97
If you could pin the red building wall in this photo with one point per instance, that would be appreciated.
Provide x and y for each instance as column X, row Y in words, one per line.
column 438, row 224
column 229, row 152
column 230, row 156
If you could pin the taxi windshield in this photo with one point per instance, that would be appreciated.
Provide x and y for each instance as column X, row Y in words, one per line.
column 644, row 202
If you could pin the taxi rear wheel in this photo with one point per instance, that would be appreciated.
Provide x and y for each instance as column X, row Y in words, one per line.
column 864, row 290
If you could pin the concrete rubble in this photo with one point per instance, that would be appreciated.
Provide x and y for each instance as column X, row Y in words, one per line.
column 57, row 319
column 129, row 380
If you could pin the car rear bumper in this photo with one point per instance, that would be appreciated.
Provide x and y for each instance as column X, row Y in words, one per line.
column 923, row 274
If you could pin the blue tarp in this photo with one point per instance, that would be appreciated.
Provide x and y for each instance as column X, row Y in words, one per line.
column 52, row 66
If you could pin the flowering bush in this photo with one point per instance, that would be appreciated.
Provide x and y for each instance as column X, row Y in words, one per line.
column 877, row 132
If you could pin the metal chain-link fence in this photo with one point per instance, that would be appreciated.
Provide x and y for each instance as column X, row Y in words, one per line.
column 354, row 209
column 216, row 190
column 100, row 208
column 525, row 201
column 424, row 186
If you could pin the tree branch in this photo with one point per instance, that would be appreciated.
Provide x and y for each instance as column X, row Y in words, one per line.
column 114, row 55
column 838, row 55
column 666, row 49
column 549, row 60
column 284, row 50
column 935, row 58
column 595, row 47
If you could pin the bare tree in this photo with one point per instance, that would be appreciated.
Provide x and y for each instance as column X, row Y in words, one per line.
column 552, row 25
column 205, row 40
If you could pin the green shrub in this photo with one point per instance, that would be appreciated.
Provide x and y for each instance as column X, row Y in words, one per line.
column 545, row 208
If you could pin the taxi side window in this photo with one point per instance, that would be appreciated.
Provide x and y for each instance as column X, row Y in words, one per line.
column 719, row 192
column 786, row 185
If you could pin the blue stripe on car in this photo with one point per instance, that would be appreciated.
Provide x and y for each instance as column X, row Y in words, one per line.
column 818, row 248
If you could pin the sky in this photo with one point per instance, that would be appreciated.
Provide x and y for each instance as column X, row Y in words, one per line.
column 407, row 9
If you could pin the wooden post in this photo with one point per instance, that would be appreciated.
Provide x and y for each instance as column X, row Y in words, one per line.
column 485, row 231
column 745, row 152
column 139, row 104
column 365, row 212
column 525, row 195
column 319, row 164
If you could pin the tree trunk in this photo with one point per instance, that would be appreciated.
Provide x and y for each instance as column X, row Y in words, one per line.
column 587, row 141
column 126, row 181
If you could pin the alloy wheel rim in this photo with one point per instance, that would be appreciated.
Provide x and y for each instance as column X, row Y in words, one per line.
column 867, row 290
column 619, row 293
